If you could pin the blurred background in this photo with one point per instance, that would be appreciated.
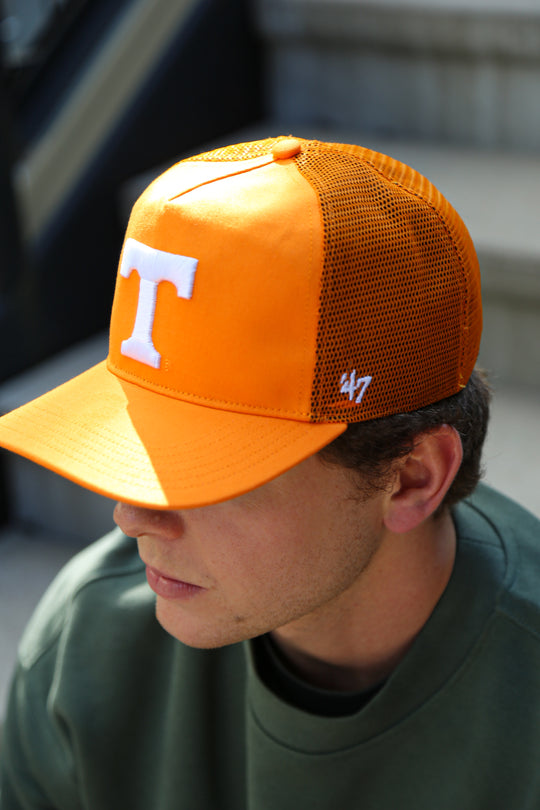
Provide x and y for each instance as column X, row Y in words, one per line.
column 96, row 98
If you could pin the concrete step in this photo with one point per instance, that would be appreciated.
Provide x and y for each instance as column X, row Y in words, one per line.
column 459, row 71
column 512, row 450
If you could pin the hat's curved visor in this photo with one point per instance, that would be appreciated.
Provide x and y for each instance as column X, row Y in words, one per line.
column 132, row 445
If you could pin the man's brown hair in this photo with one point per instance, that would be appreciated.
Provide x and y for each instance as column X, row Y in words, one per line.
column 371, row 447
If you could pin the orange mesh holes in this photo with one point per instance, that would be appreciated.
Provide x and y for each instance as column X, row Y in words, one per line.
column 392, row 288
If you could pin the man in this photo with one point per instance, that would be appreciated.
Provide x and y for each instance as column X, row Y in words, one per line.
column 291, row 422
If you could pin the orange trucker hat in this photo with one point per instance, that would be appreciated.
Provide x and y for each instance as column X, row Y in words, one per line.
column 268, row 294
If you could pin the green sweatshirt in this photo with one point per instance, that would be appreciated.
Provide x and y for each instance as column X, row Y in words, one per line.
column 108, row 712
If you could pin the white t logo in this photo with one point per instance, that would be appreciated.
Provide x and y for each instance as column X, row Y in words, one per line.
column 153, row 266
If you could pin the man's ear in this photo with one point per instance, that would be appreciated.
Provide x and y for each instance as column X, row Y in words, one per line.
column 423, row 478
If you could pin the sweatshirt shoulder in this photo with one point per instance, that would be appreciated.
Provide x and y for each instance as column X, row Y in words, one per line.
column 99, row 577
column 516, row 532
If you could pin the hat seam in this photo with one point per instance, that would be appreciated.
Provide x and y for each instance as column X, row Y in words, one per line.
column 222, row 177
column 309, row 349
column 186, row 396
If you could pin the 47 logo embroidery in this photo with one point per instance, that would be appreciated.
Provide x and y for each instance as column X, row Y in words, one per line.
column 354, row 386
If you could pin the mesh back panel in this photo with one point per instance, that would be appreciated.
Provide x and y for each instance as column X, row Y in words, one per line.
column 395, row 301
column 400, row 291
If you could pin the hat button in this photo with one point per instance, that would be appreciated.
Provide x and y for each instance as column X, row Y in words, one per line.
column 287, row 148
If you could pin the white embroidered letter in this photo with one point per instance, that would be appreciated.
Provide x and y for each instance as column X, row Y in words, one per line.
column 350, row 385
column 153, row 266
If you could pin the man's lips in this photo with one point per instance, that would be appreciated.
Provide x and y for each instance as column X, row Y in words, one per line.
column 170, row 588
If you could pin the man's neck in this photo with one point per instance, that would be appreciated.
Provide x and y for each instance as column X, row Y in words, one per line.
column 357, row 640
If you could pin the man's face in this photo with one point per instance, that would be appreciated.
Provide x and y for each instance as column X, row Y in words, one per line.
column 282, row 556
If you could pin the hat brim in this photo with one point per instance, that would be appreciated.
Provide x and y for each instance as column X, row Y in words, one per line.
column 136, row 446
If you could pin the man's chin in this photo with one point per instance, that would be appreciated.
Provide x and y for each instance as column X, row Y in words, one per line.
column 197, row 633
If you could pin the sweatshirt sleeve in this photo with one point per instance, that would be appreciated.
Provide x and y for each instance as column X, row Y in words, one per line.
column 38, row 754
column 36, row 762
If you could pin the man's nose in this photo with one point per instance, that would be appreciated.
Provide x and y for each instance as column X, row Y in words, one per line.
column 137, row 520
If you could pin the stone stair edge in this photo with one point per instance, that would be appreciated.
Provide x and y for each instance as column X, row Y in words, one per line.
column 52, row 372
column 480, row 27
column 477, row 27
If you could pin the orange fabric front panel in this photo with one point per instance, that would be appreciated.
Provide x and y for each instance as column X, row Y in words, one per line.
column 245, row 340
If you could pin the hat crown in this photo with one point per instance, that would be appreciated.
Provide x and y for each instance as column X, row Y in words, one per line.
column 332, row 283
